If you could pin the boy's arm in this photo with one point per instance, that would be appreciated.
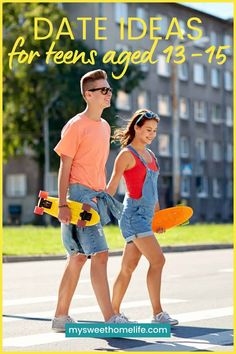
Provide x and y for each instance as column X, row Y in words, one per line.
column 63, row 183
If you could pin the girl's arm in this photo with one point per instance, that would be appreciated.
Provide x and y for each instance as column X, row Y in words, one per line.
column 157, row 206
column 121, row 164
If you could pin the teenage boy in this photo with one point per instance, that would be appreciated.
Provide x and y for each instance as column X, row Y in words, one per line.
column 83, row 151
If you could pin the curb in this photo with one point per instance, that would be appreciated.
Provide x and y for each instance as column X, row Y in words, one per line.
column 165, row 249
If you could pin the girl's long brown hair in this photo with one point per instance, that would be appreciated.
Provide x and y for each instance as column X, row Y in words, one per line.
column 127, row 134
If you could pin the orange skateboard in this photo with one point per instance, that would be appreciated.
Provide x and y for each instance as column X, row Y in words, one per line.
column 81, row 214
column 171, row 217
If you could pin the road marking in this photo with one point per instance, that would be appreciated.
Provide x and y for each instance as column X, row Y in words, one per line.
column 179, row 344
column 201, row 315
column 35, row 300
column 35, row 339
column 85, row 309
column 226, row 270
column 44, row 338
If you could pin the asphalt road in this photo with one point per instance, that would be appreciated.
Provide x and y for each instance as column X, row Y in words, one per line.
column 197, row 289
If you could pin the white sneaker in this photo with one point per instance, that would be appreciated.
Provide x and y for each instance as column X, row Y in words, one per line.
column 164, row 317
column 121, row 318
column 58, row 323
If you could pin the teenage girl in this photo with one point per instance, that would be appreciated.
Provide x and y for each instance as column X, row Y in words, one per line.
column 140, row 169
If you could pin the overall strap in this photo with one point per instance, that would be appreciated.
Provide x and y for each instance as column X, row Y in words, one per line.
column 155, row 158
column 137, row 154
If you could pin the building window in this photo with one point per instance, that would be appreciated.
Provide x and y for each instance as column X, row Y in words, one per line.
column 185, row 186
column 121, row 11
column 229, row 153
column 162, row 23
column 227, row 39
column 200, row 111
column 120, row 47
column 213, row 39
column 199, row 74
column 230, row 189
column 144, row 66
column 215, row 78
column 16, row 185
column 183, row 107
column 123, row 101
column 163, row 105
column 216, row 152
column 199, row 43
column 163, row 68
column 183, row 71
column 229, row 116
column 141, row 13
column 201, row 149
column 228, row 80
column 143, row 100
column 202, row 186
column 216, row 188
column 216, row 113
column 182, row 25
column 53, row 183
column 184, row 146
column 164, row 144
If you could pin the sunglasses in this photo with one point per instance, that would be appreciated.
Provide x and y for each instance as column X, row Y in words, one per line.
column 104, row 90
column 148, row 115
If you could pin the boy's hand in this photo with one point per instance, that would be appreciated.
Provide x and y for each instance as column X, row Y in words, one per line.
column 64, row 215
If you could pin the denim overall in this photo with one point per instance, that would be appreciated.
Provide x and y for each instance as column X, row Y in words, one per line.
column 136, row 218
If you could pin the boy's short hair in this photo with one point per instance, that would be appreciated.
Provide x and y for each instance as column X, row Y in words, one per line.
column 89, row 78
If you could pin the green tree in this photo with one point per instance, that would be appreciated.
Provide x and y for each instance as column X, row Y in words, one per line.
column 31, row 91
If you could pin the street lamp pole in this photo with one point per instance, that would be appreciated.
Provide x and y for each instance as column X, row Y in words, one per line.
column 47, row 147
column 175, row 134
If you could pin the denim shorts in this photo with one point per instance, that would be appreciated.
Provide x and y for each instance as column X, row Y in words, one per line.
column 85, row 240
column 136, row 220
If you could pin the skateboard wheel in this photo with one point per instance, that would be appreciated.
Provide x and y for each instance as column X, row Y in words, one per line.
column 81, row 223
column 38, row 210
column 86, row 207
column 43, row 194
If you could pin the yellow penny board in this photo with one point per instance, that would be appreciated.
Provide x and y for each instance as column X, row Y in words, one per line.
column 171, row 217
column 82, row 214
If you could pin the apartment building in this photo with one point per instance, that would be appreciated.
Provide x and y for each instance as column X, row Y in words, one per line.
column 204, row 113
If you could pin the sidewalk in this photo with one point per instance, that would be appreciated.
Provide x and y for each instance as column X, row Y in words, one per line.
column 166, row 249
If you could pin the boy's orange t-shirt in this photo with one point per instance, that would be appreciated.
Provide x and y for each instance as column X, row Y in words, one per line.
column 88, row 143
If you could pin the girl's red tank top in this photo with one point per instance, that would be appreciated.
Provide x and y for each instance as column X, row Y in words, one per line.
column 135, row 176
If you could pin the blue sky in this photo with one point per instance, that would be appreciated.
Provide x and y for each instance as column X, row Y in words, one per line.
column 223, row 10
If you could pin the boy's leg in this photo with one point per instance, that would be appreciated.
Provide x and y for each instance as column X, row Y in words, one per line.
column 100, row 285
column 131, row 257
column 73, row 268
column 68, row 283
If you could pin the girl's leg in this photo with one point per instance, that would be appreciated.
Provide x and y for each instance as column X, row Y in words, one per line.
column 131, row 257
column 151, row 249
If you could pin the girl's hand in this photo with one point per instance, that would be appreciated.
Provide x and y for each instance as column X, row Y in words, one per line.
column 161, row 230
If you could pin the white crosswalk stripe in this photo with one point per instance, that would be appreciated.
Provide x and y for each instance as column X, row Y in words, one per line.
column 86, row 309
column 205, row 342
column 202, row 342
column 41, row 299
column 201, row 315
